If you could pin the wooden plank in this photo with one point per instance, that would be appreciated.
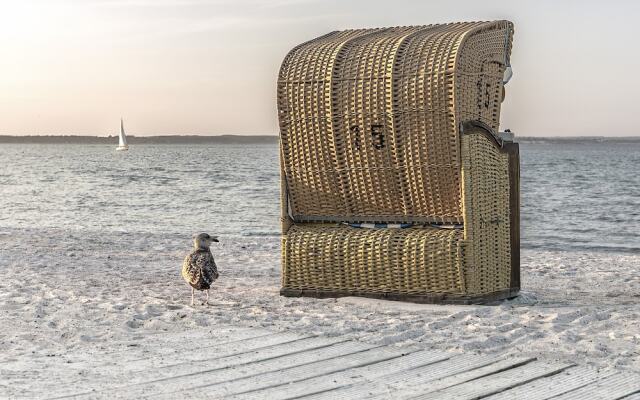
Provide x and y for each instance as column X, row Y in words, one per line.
column 146, row 347
column 613, row 387
column 246, row 388
column 566, row 381
column 417, row 384
column 146, row 343
column 241, row 366
column 95, row 362
column 207, row 353
column 494, row 383
column 406, row 381
column 217, row 340
column 102, row 368
column 169, row 353
column 635, row 396
column 238, row 357
column 344, row 378
column 242, row 357
column 143, row 337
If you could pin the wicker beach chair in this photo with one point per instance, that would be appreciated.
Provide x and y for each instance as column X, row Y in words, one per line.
column 395, row 183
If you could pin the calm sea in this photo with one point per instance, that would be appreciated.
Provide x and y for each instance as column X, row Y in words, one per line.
column 575, row 195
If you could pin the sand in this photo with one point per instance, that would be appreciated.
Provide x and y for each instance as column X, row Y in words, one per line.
column 82, row 292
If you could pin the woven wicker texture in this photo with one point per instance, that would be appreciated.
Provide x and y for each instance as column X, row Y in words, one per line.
column 369, row 119
column 341, row 258
column 487, row 247
column 371, row 131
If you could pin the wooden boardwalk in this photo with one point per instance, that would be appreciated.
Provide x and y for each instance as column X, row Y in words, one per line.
column 246, row 363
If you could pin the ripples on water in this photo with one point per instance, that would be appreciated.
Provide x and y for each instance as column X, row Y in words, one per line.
column 583, row 196
column 229, row 190
column 574, row 196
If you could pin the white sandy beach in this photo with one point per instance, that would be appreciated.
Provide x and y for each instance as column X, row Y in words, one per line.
column 64, row 292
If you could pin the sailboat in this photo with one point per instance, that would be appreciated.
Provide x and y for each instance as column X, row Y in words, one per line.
column 122, row 143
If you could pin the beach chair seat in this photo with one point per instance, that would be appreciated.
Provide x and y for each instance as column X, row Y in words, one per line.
column 413, row 261
column 397, row 128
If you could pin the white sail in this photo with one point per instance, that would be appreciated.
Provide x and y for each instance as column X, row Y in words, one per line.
column 122, row 142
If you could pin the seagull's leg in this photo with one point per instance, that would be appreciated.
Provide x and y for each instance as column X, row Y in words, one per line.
column 192, row 293
column 206, row 301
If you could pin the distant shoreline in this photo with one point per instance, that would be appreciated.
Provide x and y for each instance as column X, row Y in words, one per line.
column 257, row 139
column 169, row 139
column 578, row 139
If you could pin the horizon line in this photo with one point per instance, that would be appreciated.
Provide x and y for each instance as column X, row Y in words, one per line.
column 269, row 135
column 133, row 135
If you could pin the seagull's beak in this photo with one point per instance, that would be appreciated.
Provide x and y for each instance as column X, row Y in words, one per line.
column 214, row 239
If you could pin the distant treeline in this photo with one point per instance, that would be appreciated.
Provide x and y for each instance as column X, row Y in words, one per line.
column 173, row 139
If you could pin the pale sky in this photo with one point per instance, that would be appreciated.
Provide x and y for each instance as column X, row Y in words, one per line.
column 210, row 66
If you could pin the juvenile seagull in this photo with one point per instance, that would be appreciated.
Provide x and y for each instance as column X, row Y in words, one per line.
column 199, row 268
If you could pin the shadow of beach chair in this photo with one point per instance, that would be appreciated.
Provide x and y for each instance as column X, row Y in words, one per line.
column 395, row 183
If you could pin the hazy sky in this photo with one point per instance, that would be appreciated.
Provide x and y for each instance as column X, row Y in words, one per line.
column 210, row 66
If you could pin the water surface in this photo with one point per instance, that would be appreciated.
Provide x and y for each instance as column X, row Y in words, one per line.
column 575, row 195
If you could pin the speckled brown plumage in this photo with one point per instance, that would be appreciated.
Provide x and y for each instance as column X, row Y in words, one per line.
column 199, row 269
